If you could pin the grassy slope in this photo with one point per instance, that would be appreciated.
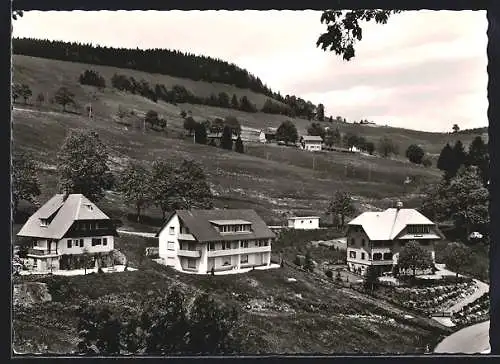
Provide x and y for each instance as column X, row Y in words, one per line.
column 270, row 179
column 320, row 322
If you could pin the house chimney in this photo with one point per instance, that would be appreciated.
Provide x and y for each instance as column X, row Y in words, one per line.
column 399, row 205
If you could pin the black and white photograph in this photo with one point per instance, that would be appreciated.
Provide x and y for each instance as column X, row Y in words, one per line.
column 217, row 183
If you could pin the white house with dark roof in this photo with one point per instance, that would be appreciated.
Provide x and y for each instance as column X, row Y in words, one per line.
column 311, row 142
column 303, row 222
column 198, row 241
column 375, row 238
column 63, row 229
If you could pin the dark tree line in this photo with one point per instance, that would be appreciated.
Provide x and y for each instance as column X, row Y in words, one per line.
column 174, row 63
column 453, row 158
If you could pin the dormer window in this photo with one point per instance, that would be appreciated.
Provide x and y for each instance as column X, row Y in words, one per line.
column 89, row 207
column 44, row 222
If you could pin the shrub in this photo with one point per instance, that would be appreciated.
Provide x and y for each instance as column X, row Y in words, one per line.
column 92, row 78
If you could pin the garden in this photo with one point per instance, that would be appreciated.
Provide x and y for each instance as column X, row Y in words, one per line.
column 429, row 300
column 474, row 312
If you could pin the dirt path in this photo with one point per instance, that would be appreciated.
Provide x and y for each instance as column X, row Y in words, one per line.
column 470, row 340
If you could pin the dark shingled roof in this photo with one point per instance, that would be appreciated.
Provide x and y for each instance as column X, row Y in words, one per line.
column 198, row 223
column 65, row 212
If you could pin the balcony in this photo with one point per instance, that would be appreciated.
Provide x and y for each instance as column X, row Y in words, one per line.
column 188, row 237
column 189, row 253
column 222, row 253
column 42, row 252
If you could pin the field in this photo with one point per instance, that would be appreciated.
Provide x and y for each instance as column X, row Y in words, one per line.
column 269, row 178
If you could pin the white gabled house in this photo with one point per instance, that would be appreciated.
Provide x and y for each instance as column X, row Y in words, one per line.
column 375, row 238
column 198, row 241
column 311, row 142
column 63, row 229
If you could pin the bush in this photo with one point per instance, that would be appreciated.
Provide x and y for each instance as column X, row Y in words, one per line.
column 329, row 274
column 92, row 78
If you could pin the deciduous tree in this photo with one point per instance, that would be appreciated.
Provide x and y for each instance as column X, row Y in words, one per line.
column 287, row 132
column 415, row 154
column 456, row 257
column 25, row 183
column 413, row 256
column 342, row 205
column 227, row 138
column 64, row 96
column 82, row 165
column 238, row 146
column 387, row 147
column 190, row 125
column 136, row 187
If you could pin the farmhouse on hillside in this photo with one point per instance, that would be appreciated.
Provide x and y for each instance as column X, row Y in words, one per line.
column 198, row 241
column 311, row 142
column 68, row 232
column 267, row 135
column 303, row 223
column 375, row 238
column 217, row 137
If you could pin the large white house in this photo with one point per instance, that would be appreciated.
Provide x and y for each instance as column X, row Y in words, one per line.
column 311, row 142
column 375, row 238
column 303, row 223
column 63, row 229
column 198, row 241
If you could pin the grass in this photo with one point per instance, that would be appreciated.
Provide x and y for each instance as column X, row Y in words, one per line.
column 271, row 180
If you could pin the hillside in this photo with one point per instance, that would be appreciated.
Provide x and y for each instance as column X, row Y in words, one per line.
column 277, row 315
column 269, row 178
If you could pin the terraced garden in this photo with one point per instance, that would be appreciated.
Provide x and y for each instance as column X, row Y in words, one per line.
column 474, row 312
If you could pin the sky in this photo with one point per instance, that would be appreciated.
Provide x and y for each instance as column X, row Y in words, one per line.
column 423, row 70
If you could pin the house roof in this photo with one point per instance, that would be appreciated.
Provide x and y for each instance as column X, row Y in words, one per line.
column 198, row 223
column 63, row 213
column 386, row 225
column 312, row 138
column 303, row 217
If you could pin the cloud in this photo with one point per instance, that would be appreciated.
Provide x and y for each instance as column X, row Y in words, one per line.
column 420, row 70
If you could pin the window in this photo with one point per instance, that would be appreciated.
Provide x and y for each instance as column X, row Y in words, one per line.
column 172, row 230
column 35, row 243
column 418, row 229
column 244, row 258
column 244, row 244
column 89, row 207
column 96, row 241
column 387, row 256
column 363, row 256
column 170, row 245
column 227, row 262
column 302, row 221
column 310, row 221
column 43, row 222
column 226, row 245
column 81, row 243
column 352, row 254
column 104, row 241
column 192, row 263
column 69, row 244
column 377, row 256
column 211, row 246
column 353, row 242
